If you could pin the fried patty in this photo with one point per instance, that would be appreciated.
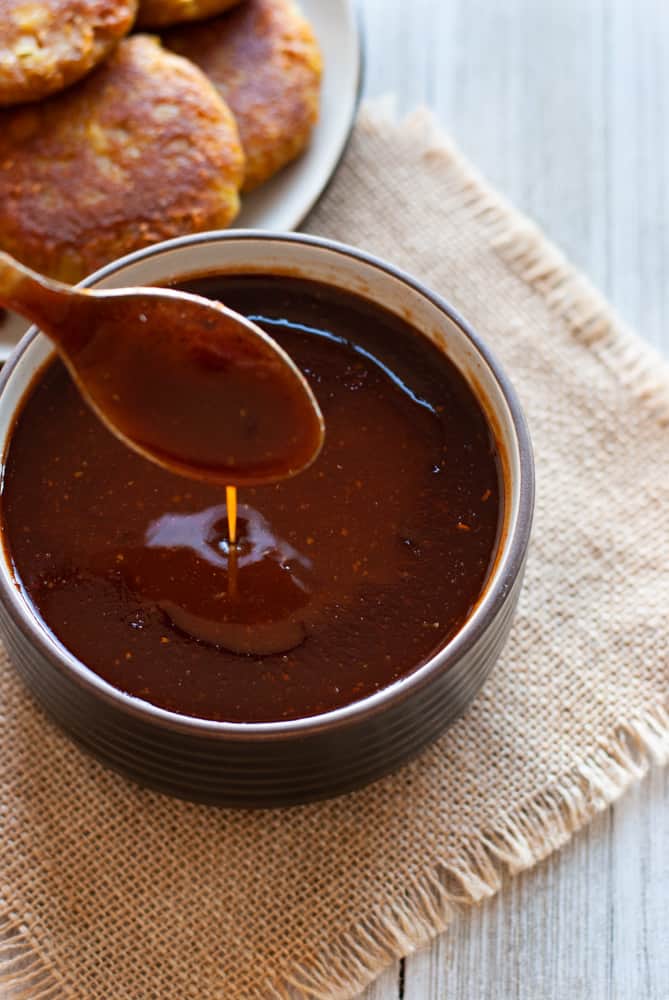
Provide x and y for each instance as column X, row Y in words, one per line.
column 46, row 46
column 142, row 150
column 265, row 61
column 162, row 13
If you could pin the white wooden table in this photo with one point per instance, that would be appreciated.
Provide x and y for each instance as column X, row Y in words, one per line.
column 564, row 105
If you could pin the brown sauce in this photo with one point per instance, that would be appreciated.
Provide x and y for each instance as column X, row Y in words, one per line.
column 343, row 579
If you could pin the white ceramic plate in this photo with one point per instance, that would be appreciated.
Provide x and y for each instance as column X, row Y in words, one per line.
column 282, row 203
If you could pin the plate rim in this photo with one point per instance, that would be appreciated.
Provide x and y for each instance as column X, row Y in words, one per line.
column 353, row 8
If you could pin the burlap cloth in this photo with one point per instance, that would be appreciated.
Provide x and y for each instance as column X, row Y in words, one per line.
column 111, row 892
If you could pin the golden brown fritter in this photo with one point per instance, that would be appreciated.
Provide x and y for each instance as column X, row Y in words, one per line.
column 162, row 13
column 142, row 150
column 266, row 63
column 46, row 46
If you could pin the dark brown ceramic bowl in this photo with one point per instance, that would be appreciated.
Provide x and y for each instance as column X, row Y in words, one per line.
column 279, row 763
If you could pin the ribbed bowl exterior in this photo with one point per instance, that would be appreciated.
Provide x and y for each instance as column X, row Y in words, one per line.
column 259, row 772
column 284, row 763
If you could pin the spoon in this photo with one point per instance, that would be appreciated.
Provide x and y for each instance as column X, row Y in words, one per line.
column 184, row 381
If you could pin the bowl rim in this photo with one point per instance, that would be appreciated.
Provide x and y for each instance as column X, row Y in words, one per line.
column 499, row 585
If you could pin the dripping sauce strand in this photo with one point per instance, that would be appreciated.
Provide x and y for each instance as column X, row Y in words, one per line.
column 231, row 504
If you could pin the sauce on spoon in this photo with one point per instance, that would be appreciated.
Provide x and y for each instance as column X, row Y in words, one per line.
column 182, row 380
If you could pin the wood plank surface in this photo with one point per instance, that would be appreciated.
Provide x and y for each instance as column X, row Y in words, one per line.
column 564, row 106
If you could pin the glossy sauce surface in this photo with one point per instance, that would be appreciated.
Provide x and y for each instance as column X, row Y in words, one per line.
column 344, row 578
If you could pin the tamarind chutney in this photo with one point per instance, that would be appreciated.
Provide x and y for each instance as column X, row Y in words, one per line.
column 342, row 579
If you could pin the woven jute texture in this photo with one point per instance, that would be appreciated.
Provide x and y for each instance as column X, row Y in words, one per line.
column 110, row 891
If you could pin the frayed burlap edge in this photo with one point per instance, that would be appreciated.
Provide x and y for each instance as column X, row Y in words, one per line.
column 545, row 822
column 519, row 840
column 548, row 820
column 25, row 973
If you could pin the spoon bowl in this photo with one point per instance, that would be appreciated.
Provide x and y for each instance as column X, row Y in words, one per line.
column 182, row 380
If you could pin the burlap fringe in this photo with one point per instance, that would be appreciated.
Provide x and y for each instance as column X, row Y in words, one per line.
column 546, row 822
column 25, row 974
column 522, row 245
column 590, row 318
column 517, row 841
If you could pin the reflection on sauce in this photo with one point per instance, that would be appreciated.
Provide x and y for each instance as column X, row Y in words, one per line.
column 185, row 566
column 341, row 580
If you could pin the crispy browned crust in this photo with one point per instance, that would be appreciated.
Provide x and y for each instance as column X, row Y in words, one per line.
column 265, row 61
column 46, row 46
column 162, row 13
column 144, row 149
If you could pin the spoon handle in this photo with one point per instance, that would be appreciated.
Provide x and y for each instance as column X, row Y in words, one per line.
column 39, row 299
